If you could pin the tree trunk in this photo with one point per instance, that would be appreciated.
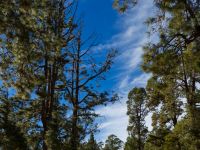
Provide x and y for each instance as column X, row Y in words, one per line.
column 74, row 141
column 75, row 136
column 44, row 123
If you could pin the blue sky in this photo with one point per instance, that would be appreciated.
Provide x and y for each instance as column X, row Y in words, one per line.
column 127, row 33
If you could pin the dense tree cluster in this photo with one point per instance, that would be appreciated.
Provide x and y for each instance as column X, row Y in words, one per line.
column 173, row 90
column 49, row 77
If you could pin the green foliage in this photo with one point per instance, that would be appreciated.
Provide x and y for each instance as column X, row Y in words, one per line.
column 50, row 79
column 11, row 134
column 83, row 72
column 92, row 144
column 172, row 90
column 181, row 137
column 136, row 110
column 131, row 143
column 164, row 101
column 39, row 43
column 173, row 62
column 113, row 143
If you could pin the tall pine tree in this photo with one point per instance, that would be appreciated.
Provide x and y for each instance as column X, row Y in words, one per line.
column 136, row 110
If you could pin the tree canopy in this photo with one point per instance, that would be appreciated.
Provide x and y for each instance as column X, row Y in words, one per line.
column 51, row 77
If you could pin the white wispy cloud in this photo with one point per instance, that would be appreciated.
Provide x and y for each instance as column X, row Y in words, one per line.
column 114, row 121
column 141, row 80
column 129, row 41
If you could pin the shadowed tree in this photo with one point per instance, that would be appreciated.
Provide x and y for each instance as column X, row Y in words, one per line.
column 137, row 111
column 113, row 143
column 10, row 132
column 34, row 38
column 92, row 144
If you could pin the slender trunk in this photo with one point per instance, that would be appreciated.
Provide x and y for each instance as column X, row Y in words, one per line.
column 44, row 144
column 44, row 123
column 139, row 139
column 75, row 136
column 174, row 119
column 139, row 128
column 44, row 106
column 74, row 141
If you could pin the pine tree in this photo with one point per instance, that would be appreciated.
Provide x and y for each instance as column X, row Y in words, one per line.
column 83, row 72
column 165, row 104
column 113, row 143
column 40, row 50
column 136, row 110
column 92, row 144
column 174, row 63
column 36, row 36
column 11, row 134
column 131, row 143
